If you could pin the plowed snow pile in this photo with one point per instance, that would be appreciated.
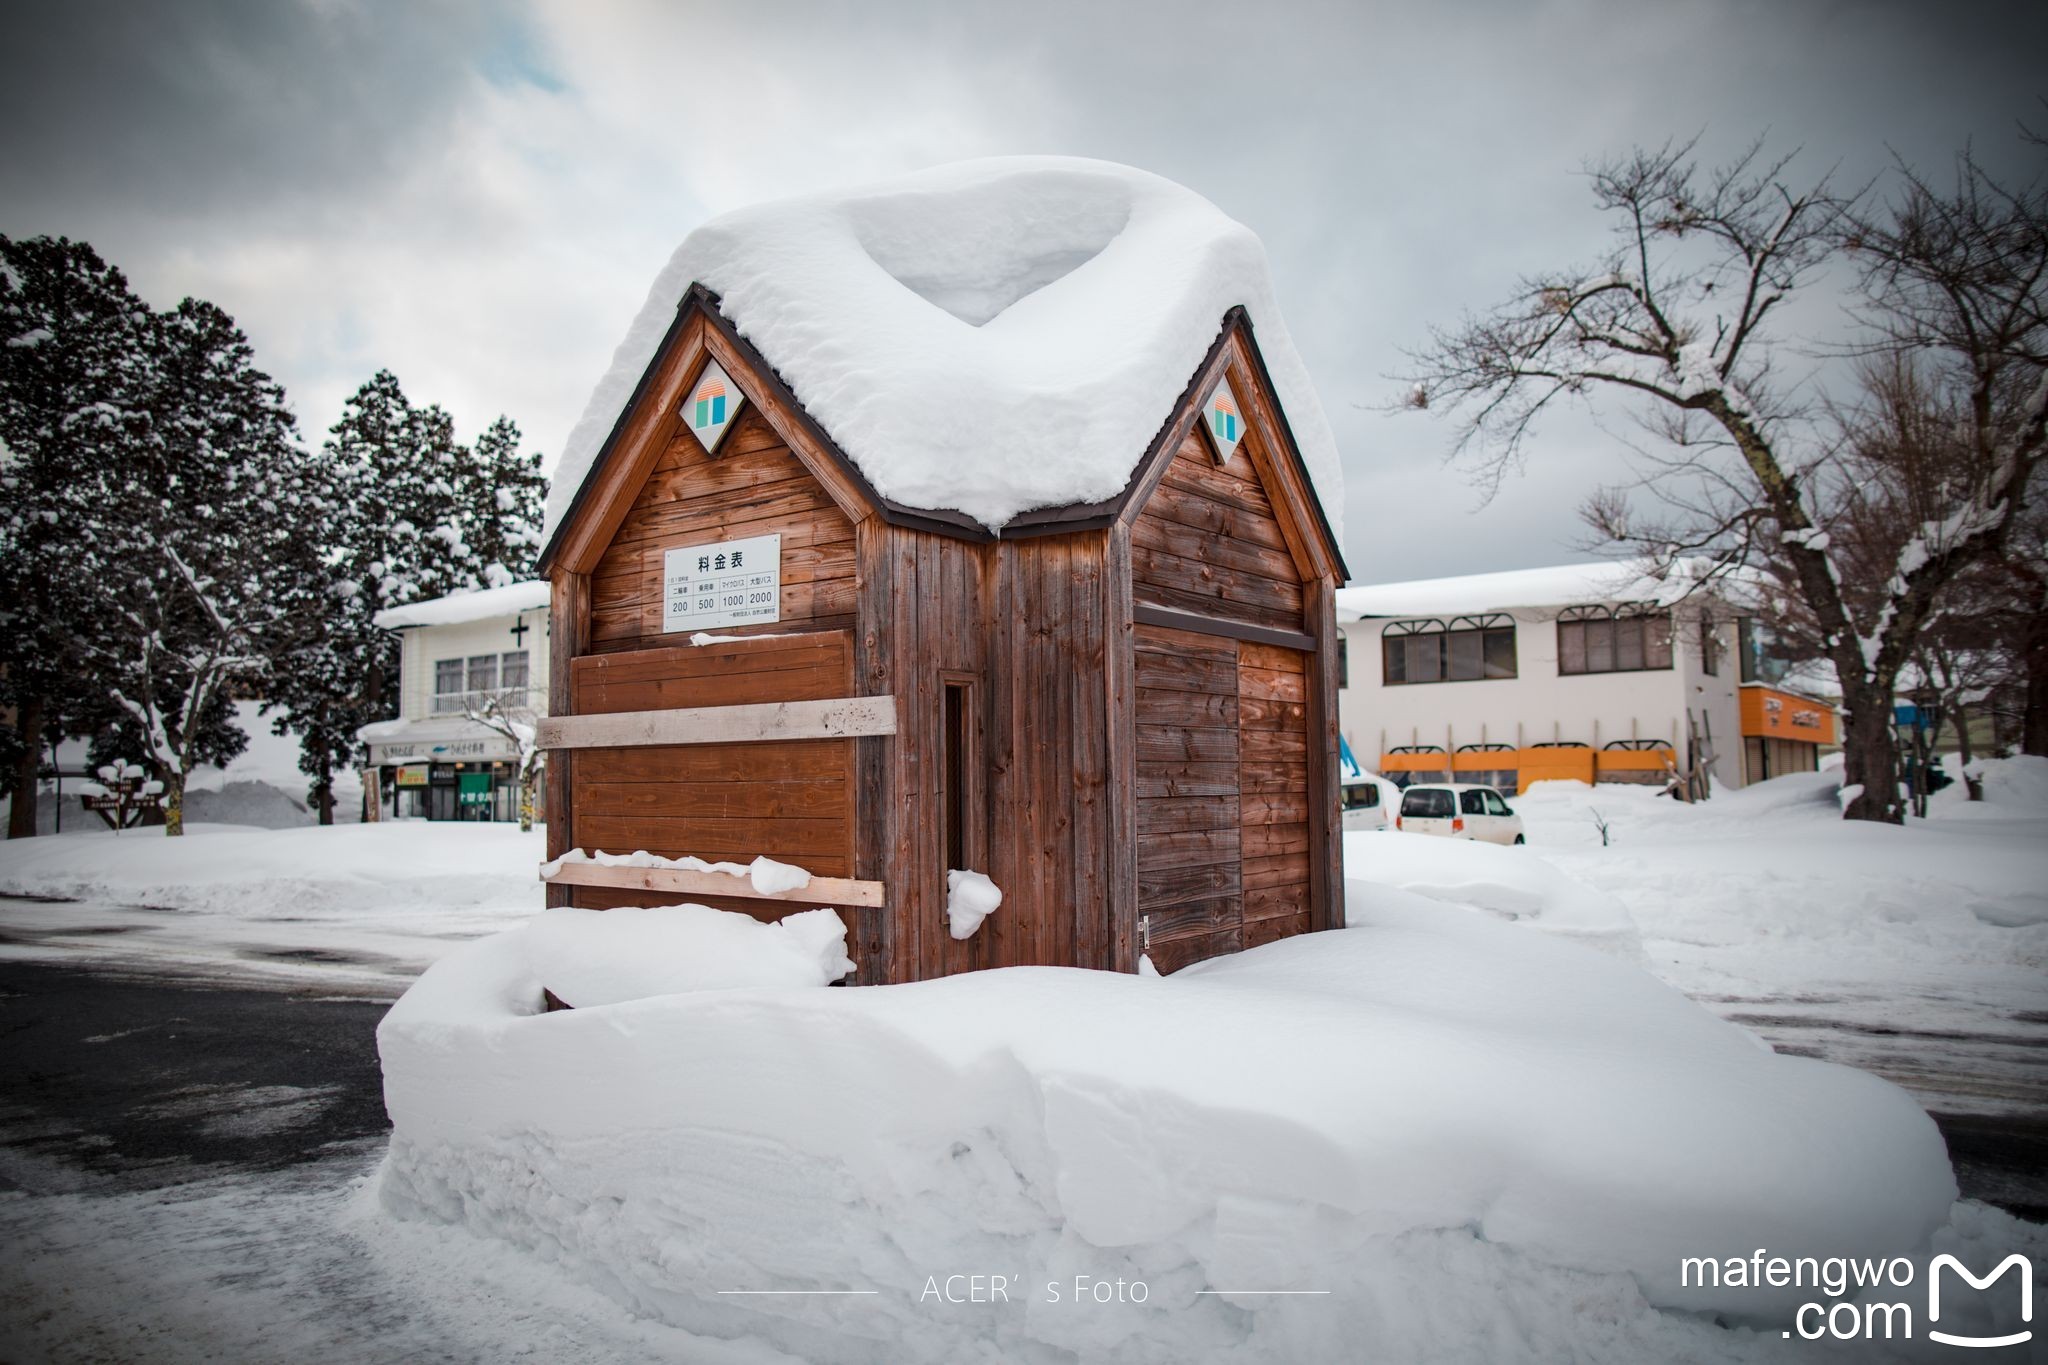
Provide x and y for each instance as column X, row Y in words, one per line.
column 1466, row 1132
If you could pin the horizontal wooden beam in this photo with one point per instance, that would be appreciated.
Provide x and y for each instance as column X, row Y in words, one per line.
column 835, row 718
column 681, row 881
column 1148, row 615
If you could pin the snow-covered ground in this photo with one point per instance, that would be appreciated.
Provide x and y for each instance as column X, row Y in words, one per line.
column 363, row 907
column 1920, row 953
column 1487, row 1144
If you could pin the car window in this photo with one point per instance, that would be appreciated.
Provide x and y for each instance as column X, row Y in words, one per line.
column 1496, row 806
column 1472, row 803
column 1372, row 794
column 1427, row 803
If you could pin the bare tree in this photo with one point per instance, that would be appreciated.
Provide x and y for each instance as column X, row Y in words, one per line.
column 509, row 714
column 1678, row 322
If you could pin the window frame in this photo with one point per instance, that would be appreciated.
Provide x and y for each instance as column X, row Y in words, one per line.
column 1470, row 634
column 1639, row 619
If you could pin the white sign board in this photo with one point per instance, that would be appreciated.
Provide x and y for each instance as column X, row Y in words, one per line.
column 731, row 583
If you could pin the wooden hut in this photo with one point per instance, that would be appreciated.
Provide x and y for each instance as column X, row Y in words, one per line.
column 1124, row 712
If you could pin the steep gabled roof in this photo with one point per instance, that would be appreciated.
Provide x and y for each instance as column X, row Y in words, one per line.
column 989, row 347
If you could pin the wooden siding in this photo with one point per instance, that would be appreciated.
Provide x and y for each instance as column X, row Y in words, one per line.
column 1223, row 830
column 754, row 486
column 1023, row 626
column 792, row 800
column 1209, row 542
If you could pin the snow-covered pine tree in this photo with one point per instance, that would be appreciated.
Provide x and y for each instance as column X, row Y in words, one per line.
column 416, row 514
column 203, row 527
column 71, row 361
column 506, row 497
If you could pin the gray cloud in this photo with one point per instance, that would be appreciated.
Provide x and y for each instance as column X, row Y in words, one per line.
column 478, row 197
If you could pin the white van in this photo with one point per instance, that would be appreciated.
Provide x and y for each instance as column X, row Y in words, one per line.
column 1363, row 808
column 1457, row 810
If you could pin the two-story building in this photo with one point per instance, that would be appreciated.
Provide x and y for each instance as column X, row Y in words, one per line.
column 464, row 660
column 1598, row 672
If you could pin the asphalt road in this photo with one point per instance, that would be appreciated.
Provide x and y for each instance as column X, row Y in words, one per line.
column 133, row 1081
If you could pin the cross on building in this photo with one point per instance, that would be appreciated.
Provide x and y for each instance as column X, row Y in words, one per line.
column 519, row 629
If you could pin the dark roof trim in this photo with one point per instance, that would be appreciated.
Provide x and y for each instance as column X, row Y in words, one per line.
column 1072, row 517
column 1294, row 450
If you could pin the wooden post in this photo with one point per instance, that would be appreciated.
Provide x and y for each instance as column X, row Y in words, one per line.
column 568, row 632
column 1325, row 825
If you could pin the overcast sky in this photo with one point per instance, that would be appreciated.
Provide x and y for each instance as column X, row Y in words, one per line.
column 477, row 197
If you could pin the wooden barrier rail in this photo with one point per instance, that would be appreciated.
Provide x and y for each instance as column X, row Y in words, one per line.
column 835, row 718
column 682, row 881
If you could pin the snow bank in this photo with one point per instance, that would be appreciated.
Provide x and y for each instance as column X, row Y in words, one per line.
column 992, row 336
column 607, row 957
column 1509, row 882
column 1411, row 1114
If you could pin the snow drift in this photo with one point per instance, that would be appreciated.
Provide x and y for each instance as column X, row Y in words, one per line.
column 1457, row 1127
column 1510, row 882
column 992, row 336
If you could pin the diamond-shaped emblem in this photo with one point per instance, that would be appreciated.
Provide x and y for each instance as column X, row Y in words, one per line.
column 1223, row 419
column 712, row 406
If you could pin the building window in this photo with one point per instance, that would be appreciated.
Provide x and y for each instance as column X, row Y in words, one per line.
column 460, row 684
column 1710, row 644
column 512, row 677
column 1466, row 649
column 1343, row 661
column 447, row 685
column 1613, row 640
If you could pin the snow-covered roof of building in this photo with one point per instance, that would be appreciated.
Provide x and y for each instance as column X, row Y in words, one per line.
column 1560, row 585
column 991, row 337
column 507, row 600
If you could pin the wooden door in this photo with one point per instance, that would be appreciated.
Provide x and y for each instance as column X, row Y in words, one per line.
column 1223, row 778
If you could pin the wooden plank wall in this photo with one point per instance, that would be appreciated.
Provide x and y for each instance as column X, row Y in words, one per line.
column 753, row 487
column 790, row 800
column 1208, row 542
column 1050, row 784
column 1274, row 787
column 1190, row 815
column 1224, row 837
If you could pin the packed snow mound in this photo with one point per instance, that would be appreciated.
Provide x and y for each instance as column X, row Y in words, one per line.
column 2012, row 786
column 991, row 336
column 1512, row 883
column 1310, row 1114
column 607, row 957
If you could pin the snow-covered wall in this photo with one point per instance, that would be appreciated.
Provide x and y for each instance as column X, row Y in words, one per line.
column 992, row 336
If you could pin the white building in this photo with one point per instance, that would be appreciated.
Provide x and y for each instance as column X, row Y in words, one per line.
column 435, row 761
column 1589, row 671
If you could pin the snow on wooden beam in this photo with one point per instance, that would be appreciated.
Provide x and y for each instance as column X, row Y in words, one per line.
column 834, row 718
column 821, row 891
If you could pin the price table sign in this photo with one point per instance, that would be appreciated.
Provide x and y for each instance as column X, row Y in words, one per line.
column 731, row 583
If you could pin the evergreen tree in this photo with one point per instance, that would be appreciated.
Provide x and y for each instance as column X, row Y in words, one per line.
column 507, row 494
column 72, row 405
column 414, row 514
column 202, row 532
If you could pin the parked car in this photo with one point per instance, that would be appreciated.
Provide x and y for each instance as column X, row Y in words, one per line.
column 1363, row 808
column 1457, row 810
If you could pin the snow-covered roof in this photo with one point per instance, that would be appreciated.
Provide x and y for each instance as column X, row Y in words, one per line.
column 992, row 336
column 458, row 607
column 1560, row 585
